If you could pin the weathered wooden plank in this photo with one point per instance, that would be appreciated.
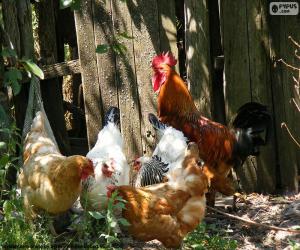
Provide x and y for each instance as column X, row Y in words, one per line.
column 106, row 64
column 25, row 28
column 259, row 68
column 282, row 93
column 9, row 10
column 61, row 69
column 146, row 42
column 127, row 87
column 87, row 57
column 237, row 76
column 51, row 88
column 217, row 63
column 197, row 47
column 167, row 28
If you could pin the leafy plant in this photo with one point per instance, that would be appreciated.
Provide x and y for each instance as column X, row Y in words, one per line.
column 13, row 74
column 110, row 234
column 199, row 239
column 73, row 4
column 117, row 44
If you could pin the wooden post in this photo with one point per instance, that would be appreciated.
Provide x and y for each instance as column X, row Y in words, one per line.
column 106, row 62
column 87, row 55
column 167, row 28
column 282, row 84
column 127, row 85
column 197, row 46
column 237, row 76
column 261, row 91
column 145, row 28
column 51, row 89
column 217, row 63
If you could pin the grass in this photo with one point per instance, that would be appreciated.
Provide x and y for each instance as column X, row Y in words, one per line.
column 199, row 239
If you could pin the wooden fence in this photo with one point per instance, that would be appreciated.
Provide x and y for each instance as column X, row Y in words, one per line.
column 247, row 48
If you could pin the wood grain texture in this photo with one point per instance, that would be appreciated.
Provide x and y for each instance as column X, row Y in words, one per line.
column 261, row 91
column 127, row 85
column 87, row 57
column 146, row 46
column 10, row 19
column 197, row 47
column 167, row 27
column 237, row 75
column 106, row 62
column 282, row 93
column 51, row 88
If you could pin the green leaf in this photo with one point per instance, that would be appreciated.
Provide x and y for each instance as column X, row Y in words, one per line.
column 76, row 5
column 119, row 48
column 16, row 87
column 113, row 224
column 12, row 78
column 119, row 205
column 8, row 52
column 3, row 145
column 32, row 67
column 96, row 215
column 124, row 222
column 125, row 35
column 65, row 4
column 7, row 207
column 102, row 48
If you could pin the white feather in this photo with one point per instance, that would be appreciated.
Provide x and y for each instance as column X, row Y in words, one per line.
column 171, row 146
column 108, row 148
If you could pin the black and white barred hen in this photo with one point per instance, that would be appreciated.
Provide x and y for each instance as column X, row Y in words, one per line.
column 167, row 155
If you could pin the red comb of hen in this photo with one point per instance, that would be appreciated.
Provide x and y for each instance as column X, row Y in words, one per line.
column 166, row 58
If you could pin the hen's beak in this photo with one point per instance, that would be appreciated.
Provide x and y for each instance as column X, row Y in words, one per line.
column 107, row 170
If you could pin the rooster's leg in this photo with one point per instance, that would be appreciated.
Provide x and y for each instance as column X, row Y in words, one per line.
column 210, row 197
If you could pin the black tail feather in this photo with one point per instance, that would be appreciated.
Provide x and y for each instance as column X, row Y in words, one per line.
column 155, row 122
column 112, row 115
column 252, row 124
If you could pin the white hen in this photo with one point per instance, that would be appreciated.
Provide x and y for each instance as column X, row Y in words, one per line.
column 168, row 154
column 110, row 163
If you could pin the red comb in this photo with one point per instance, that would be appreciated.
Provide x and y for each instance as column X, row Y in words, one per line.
column 166, row 58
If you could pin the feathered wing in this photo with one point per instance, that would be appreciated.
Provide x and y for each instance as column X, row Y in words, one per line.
column 169, row 150
column 107, row 150
column 49, row 180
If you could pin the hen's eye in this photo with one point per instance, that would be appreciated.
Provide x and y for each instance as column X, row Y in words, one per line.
column 200, row 163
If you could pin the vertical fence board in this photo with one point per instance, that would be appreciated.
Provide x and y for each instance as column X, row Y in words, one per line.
column 237, row 75
column 127, row 86
column 217, row 63
column 167, row 27
column 282, row 93
column 146, row 43
column 87, row 56
column 259, row 64
column 10, row 18
column 197, row 47
column 51, row 88
column 105, row 62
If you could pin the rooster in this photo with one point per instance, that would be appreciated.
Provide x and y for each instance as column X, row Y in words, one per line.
column 169, row 150
column 48, row 180
column 169, row 210
column 110, row 163
column 220, row 147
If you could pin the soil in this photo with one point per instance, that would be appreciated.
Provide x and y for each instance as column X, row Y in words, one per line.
column 280, row 211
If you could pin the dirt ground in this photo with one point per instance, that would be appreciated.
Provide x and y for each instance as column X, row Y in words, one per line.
column 280, row 211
